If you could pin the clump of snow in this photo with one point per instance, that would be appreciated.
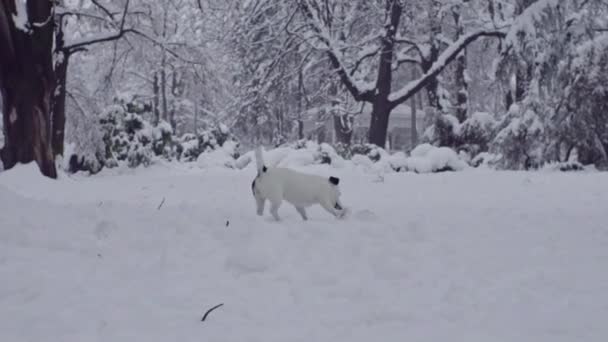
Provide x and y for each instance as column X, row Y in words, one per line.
column 398, row 161
column 362, row 161
column 328, row 150
column 20, row 17
column 422, row 150
column 427, row 158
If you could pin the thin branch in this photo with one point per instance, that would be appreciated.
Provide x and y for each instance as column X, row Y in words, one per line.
column 439, row 65
column 103, row 9
column 121, row 32
column 209, row 311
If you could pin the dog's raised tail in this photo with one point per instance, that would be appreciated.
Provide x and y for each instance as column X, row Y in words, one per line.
column 259, row 160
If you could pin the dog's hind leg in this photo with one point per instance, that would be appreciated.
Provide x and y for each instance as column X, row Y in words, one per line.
column 259, row 201
column 274, row 209
column 302, row 212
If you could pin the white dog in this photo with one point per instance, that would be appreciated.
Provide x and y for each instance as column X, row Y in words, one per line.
column 300, row 189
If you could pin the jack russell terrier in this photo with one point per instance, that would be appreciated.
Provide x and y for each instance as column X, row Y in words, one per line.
column 300, row 189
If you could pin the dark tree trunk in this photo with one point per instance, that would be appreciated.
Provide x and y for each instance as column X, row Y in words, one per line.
column 301, row 95
column 163, row 87
column 378, row 127
column 26, row 83
column 432, row 94
column 59, row 97
column 343, row 123
column 381, row 106
column 462, row 96
column 156, row 91
column 414, row 114
column 432, row 87
column 174, row 94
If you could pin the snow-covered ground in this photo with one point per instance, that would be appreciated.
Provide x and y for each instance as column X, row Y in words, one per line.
column 476, row 255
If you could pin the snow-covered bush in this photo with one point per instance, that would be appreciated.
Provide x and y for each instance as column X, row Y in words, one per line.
column 583, row 123
column 84, row 149
column 221, row 156
column 520, row 139
column 74, row 161
column 473, row 135
column 445, row 131
column 129, row 137
column 476, row 133
column 485, row 159
column 567, row 166
column 190, row 146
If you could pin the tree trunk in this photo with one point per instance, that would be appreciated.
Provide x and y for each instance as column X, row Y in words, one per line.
column 378, row 127
column 163, row 86
column 462, row 96
column 343, row 126
column 414, row 114
column 174, row 96
column 59, row 97
column 156, row 99
column 26, row 84
column 381, row 107
column 301, row 95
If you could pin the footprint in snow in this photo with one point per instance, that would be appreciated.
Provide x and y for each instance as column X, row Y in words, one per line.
column 103, row 229
column 365, row 215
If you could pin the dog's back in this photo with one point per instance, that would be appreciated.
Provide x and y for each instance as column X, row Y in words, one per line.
column 301, row 189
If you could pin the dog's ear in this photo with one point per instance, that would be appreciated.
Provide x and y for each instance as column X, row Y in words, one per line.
column 264, row 169
column 334, row 180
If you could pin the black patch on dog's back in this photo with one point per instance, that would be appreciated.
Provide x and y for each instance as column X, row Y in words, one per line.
column 334, row 180
column 264, row 168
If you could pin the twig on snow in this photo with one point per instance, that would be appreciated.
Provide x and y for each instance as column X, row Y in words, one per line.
column 209, row 311
column 161, row 204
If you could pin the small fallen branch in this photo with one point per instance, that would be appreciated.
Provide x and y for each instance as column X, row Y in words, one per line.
column 209, row 311
column 161, row 204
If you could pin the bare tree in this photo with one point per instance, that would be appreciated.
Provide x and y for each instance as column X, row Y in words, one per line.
column 388, row 45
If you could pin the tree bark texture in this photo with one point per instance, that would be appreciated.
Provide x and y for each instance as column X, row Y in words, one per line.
column 26, row 85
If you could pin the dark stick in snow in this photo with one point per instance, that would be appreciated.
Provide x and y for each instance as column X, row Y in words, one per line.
column 209, row 311
column 161, row 204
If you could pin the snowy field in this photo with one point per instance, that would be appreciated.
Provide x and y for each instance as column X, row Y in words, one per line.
column 476, row 255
